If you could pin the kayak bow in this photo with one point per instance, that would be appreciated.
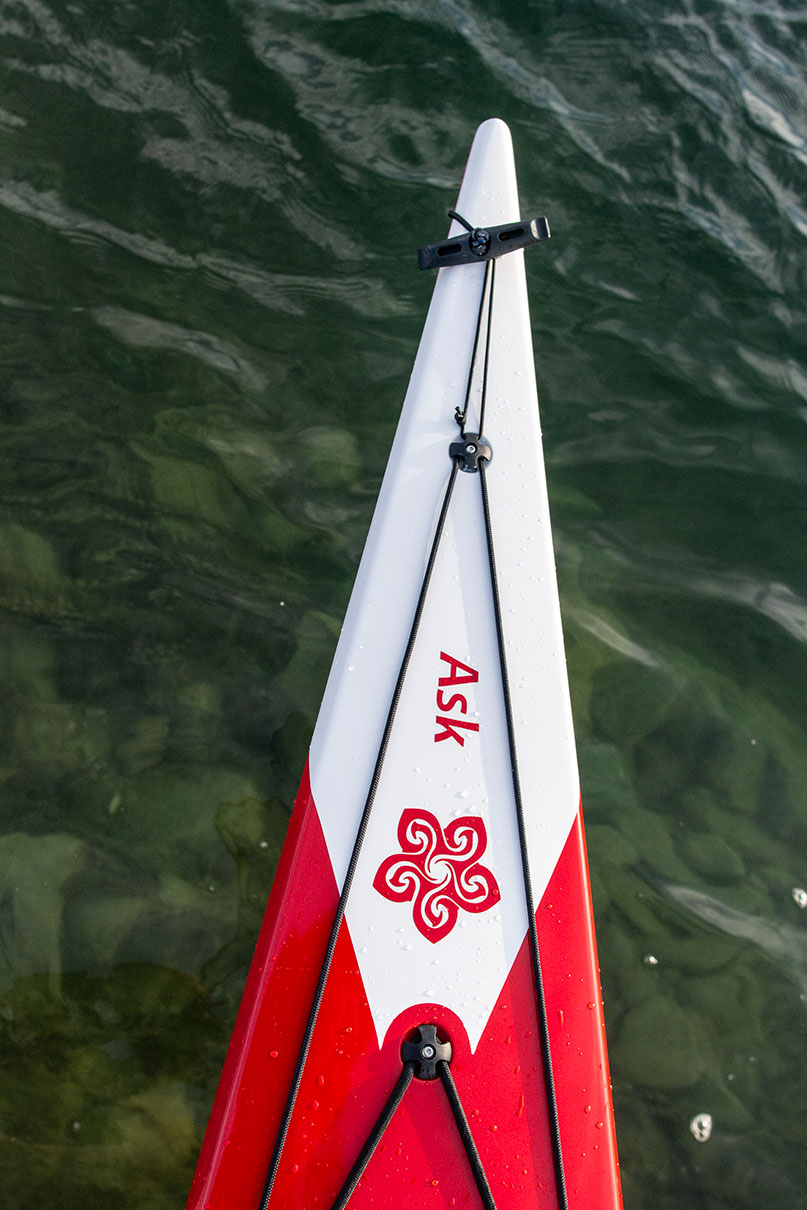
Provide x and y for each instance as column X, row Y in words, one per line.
column 422, row 1023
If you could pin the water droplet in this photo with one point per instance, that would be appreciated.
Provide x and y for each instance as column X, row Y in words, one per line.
column 273, row 1054
column 650, row 960
column 800, row 896
column 701, row 1127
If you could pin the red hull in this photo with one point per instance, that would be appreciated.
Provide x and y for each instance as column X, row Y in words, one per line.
column 347, row 1078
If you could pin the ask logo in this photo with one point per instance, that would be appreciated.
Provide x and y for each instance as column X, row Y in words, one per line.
column 451, row 723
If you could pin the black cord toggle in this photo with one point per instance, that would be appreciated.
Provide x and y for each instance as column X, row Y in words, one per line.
column 482, row 243
column 427, row 1050
column 470, row 450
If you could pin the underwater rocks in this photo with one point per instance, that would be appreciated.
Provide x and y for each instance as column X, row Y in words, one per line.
column 99, row 1092
column 34, row 873
column 658, row 1045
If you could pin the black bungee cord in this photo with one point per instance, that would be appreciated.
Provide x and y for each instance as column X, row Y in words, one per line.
column 471, row 453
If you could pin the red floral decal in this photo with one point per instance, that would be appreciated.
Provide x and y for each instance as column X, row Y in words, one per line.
column 439, row 870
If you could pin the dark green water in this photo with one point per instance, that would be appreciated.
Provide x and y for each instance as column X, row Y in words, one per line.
column 208, row 213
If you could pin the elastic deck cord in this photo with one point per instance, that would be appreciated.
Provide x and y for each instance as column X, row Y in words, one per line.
column 535, row 954
column 443, row 1069
column 327, row 961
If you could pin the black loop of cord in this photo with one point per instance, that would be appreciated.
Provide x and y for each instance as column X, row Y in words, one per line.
column 461, row 415
column 486, row 362
column 305, row 1045
column 443, row 1069
column 375, row 1136
column 464, row 1128
column 535, row 954
column 387, row 1114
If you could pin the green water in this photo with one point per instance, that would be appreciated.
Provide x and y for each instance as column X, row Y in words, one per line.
column 208, row 214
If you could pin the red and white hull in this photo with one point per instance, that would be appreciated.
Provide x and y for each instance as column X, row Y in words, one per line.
column 436, row 924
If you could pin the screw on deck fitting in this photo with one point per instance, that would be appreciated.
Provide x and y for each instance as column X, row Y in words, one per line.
column 470, row 449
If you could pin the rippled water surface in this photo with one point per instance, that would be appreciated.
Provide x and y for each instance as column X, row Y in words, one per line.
column 208, row 213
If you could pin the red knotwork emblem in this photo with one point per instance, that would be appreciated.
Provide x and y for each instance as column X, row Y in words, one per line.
column 439, row 870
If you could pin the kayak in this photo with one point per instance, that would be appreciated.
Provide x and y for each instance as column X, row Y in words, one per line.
column 422, row 1024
